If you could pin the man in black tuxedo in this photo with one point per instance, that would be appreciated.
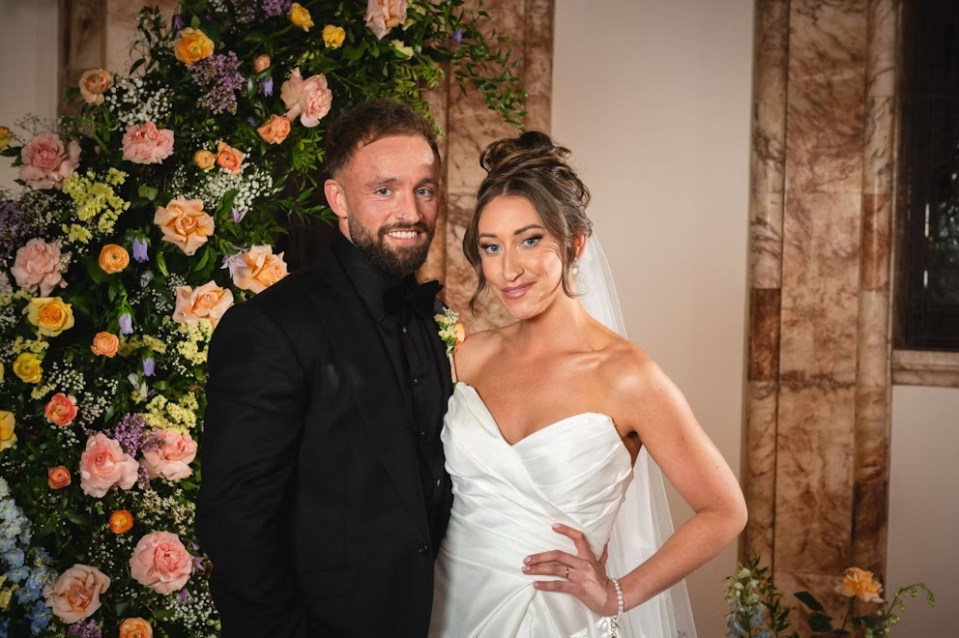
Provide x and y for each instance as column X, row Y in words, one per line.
column 323, row 496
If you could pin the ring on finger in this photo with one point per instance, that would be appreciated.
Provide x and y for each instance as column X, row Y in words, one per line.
column 567, row 573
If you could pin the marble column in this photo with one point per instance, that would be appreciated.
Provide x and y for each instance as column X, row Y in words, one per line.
column 818, row 404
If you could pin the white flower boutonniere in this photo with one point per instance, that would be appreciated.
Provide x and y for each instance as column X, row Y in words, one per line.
column 451, row 330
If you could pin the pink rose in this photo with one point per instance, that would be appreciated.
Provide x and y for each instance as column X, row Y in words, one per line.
column 310, row 99
column 383, row 15
column 61, row 409
column 161, row 562
column 37, row 266
column 47, row 162
column 76, row 593
column 146, row 144
column 169, row 454
column 104, row 464
column 261, row 63
column 208, row 301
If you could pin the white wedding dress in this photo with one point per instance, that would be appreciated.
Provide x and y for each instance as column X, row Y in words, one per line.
column 507, row 497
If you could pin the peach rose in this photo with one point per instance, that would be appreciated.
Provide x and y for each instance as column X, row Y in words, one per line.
column 333, row 36
column 161, row 562
column 38, row 266
column 261, row 63
column 50, row 315
column 204, row 160
column 105, row 344
column 208, row 301
column 135, row 628
column 47, row 162
column 229, row 159
column 146, row 144
column 275, row 129
column 5, row 137
column 168, row 454
column 7, row 426
column 300, row 16
column 184, row 223
column 861, row 584
column 310, row 99
column 191, row 46
column 61, row 410
column 104, row 464
column 121, row 522
column 257, row 269
column 27, row 367
column 93, row 84
column 113, row 258
column 76, row 593
column 58, row 477
column 383, row 15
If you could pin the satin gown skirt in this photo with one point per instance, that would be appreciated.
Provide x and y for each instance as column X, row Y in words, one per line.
column 506, row 498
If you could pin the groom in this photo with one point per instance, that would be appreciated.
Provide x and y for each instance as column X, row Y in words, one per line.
column 324, row 498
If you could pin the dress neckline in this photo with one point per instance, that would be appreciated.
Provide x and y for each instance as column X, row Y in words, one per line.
column 532, row 434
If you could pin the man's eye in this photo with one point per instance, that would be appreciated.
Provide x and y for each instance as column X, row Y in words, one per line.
column 383, row 191
column 424, row 192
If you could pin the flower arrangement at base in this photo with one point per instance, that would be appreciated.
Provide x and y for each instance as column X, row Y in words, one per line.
column 756, row 609
column 141, row 222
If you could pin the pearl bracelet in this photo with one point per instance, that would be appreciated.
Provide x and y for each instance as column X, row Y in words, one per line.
column 620, row 609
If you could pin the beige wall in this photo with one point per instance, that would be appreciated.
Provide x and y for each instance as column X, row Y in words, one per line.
column 653, row 97
column 923, row 517
column 28, row 66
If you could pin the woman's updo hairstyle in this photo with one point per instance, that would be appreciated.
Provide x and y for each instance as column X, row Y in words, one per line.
column 533, row 167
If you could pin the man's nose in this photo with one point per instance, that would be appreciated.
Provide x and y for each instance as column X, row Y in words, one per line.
column 406, row 208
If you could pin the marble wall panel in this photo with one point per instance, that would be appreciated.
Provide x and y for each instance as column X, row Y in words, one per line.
column 814, row 478
column 873, row 355
column 871, row 492
column 766, row 239
column 764, row 317
column 760, row 471
column 876, row 242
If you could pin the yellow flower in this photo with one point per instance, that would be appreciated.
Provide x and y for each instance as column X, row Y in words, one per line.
column 50, row 315
column 1, row 373
column 402, row 49
column 7, row 425
column 300, row 16
column 333, row 36
column 5, row 136
column 861, row 584
column 191, row 46
column 204, row 160
column 27, row 367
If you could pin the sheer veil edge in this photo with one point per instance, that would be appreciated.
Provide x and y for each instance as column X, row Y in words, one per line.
column 644, row 521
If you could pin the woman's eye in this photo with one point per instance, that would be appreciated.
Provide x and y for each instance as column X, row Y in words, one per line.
column 532, row 241
column 489, row 249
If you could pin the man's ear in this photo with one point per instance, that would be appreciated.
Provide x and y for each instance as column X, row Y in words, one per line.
column 335, row 197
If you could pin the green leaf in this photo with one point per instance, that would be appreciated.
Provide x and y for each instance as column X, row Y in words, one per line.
column 161, row 263
column 819, row 621
column 147, row 192
column 809, row 600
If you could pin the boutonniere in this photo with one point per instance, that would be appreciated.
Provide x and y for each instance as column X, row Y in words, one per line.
column 451, row 330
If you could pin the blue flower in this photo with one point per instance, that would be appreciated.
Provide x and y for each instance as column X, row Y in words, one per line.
column 126, row 324
column 14, row 558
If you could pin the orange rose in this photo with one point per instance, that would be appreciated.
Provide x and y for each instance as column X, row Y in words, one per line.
column 185, row 223
column 204, row 160
column 114, row 258
column 121, row 521
column 61, row 410
column 229, row 159
column 105, row 344
column 191, row 46
column 300, row 16
column 208, row 301
column 135, row 628
column 275, row 129
column 257, row 269
column 861, row 584
column 261, row 63
column 93, row 84
column 58, row 477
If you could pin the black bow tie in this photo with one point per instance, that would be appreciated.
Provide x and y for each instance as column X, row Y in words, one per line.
column 409, row 295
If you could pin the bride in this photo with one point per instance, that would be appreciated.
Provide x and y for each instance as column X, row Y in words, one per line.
column 551, row 435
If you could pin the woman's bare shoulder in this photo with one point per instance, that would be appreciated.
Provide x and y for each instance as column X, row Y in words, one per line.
column 476, row 349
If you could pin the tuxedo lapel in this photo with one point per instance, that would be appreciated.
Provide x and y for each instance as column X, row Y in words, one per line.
column 369, row 373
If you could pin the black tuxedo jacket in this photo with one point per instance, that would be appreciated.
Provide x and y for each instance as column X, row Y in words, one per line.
column 311, row 506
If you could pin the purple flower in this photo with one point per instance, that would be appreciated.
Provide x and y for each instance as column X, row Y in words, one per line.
column 85, row 629
column 129, row 433
column 177, row 22
column 126, row 324
column 183, row 595
column 276, row 8
column 140, row 250
column 237, row 214
column 266, row 86
column 219, row 75
column 149, row 367
column 457, row 36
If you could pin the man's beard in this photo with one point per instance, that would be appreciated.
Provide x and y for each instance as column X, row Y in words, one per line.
column 400, row 262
